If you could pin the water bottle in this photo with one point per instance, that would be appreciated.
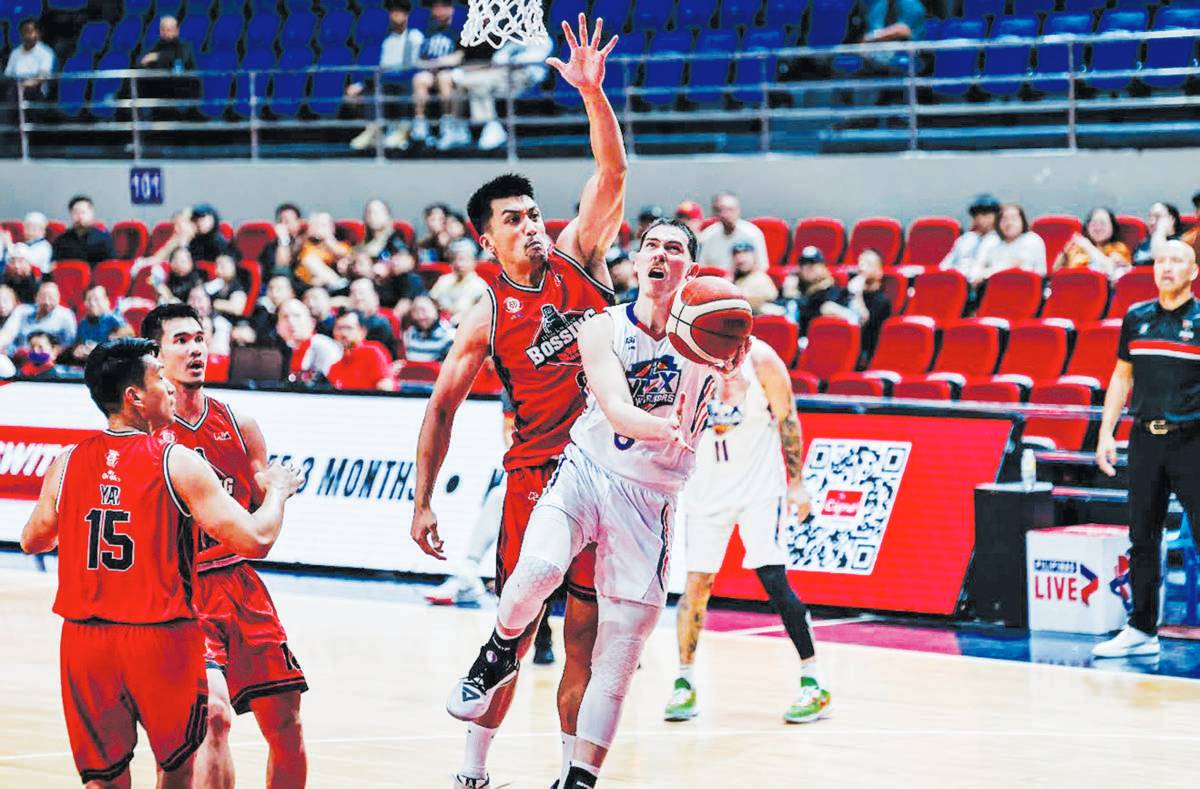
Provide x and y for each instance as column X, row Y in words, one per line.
column 1028, row 470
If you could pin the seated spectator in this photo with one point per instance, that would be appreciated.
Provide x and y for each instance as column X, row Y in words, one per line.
column 690, row 213
column 45, row 315
column 868, row 299
column 717, row 240
column 365, row 301
column 431, row 248
column 889, row 21
column 281, row 254
column 320, row 306
column 207, row 243
column 226, row 290
column 183, row 230
column 811, row 291
column 312, row 354
column 488, row 75
column 32, row 63
column 749, row 276
column 624, row 279
column 83, row 241
column 41, row 358
column 38, row 248
column 397, row 57
column 457, row 291
column 174, row 54
column 441, row 52
column 1099, row 247
column 260, row 328
column 182, row 276
column 429, row 337
column 456, row 231
column 382, row 238
column 364, row 365
column 1165, row 224
column 399, row 283
column 975, row 244
column 19, row 275
column 8, row 302
column 220, row 331
column 170, row 52
column 1017, row 247
column 321, row 253
column 99, row 324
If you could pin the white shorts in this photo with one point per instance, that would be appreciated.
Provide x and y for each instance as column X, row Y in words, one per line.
column 631, row 526
column 758, row 523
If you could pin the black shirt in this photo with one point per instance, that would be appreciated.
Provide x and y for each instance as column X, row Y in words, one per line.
column 25, row 287
column 397, row 287
column 1164, row 348
column 209, row 246
column 173, row 54
column 879, row 309
column 94, row 246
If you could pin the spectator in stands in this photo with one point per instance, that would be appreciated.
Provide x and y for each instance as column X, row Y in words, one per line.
column 321, row 253
column 207, row 242
column 432, row 246
column 365, row 301
column 869, row 300
column 429, row 337
column 174, row 54
column 20, row 275
column 717, row 240
column 1017, row 247
column 41, row 358
column 260, row 328
column 454, row 131
column 320, row 306
column 1165, row 224
column 462, row 287
column 400, row 283
column 182, row 276
column 312, row 354
column 811, row 291
column 399, row 53
column 8, row 303
column 226, row 290
column 482, row 81
column 690, row 213
column 748, row 274
column 1192, row 235
column 363, row 366
column 382, row 238
column 30, row 64
column 648, row 215
column 281, row 254
column 441, row 52
column 220, row 331
column 83, row 241
column 889, row 21
column 975, row 244
column 456, row 230
column 45, row 315
column 624, row 278
column 38, row 247
column 99, row 324
column 170, row 52
column 183, row 231
column 1099, row 247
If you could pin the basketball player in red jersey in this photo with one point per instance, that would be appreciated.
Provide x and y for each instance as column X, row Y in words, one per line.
column 250, row 667
column 119, row 506
column 527, row 324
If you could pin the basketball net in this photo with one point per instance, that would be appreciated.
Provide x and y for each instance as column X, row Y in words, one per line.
column 497, row 21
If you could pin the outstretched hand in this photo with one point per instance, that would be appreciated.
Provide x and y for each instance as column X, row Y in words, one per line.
column 585, row 69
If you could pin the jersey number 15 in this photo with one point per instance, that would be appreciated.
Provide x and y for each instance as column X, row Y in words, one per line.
column 106, row 545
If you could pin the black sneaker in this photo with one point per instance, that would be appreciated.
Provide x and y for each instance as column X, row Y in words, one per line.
column 579, row 778
column 495, row 667
column 543, row 655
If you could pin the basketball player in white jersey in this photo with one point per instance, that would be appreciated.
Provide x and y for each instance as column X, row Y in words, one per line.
column 631, row 451
column 748, row 471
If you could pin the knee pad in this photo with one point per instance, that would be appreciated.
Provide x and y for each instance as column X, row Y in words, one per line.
column 620, row 636
column 533, row 580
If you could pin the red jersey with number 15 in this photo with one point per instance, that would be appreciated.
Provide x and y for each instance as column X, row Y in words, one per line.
column 217, row 438
column 125, row 541
column 533, row 343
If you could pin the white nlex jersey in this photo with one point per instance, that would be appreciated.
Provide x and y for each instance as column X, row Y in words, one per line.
column 740, row 457
column 657, row 375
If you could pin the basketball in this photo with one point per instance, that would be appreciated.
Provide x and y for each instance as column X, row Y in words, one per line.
column 709, row 320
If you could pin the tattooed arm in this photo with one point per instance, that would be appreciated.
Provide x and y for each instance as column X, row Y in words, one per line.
column 778, row 386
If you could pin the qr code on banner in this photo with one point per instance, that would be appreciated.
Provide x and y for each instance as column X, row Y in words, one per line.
column 853, row 485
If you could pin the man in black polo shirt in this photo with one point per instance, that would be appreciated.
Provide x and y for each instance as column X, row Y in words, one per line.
column 83, row 241
column 1160, row 351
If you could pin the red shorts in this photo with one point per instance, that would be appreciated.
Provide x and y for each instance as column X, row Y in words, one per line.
column 243, row 636
column 115, row 675
column 525, row 486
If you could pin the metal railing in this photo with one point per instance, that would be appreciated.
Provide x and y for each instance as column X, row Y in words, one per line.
column 904, row 104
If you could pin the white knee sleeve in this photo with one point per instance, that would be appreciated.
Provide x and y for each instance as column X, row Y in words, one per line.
column 621, row 633
column 526, row 591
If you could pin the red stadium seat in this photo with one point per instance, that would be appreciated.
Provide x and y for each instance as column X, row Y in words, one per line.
column 1036, row 350
column 72, row 278
column 929, row 240
column 778, row 235
column 906, row 345
column 555, row 226
column 895, row 285
column 216, row 370
column 419, row 372
column 208, row 268
column 780, row 333
column 1189, row 220
column 142, row 287
column 970, row 348
column 1136, row 285
column 1067, row 431
column 1012, row 294
column 430, row 272
column 991, row 392
column 1077, row 294
column 824, row 233
column 15, row 228
column 130, row 238
column 778, row 274
column 410, row 237
column 252, row 237
column 134, row 317
column 162, row 233
column 1133, row 230
column 804, row 383
column 882, row 233
column 227, row 231
column 54, row 229
column 941, row 295
column 856, row 385
column 1056, row 230
column 115, row 276
column 252, row 272
column 923, row 390
column 833, row 347
column 1095, row 352
column 352, row 231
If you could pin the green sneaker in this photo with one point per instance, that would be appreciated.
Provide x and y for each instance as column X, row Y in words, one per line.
column 813, row 703
column 682, row 706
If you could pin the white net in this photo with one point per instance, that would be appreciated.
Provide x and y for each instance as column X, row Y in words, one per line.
column 498, row 21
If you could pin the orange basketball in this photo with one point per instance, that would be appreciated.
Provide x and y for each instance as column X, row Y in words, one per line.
column 709, row 320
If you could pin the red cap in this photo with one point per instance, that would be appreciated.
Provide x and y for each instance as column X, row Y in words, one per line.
column 689, row 209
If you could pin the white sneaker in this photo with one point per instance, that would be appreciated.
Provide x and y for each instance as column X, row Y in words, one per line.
column 455, row 134
column 366, row 138
column 461, row 781
column 457, row 590
column 492, row 136
column 397, row 138
column 420, row 130
column 1129, row 642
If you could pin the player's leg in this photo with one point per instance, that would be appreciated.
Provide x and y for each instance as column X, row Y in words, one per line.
column 422, row 84
column 102, row 730
column 122, row 781
column 278, row 717
column 179, row 778
column 579, row 640
column 214, row 761
column 171, row 697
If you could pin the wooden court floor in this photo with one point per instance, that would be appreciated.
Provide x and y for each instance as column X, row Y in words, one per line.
column 379, row 673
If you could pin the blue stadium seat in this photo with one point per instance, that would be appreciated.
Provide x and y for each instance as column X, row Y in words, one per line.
column 325, row 98
column 614, row 84
column 71, row 91
column 297, row 30
column 1054, row 58
column 695, row 14
column 92, row 37
column 339, row 5
column 168, row 8
column 1083, row 6
column 1031, row 7
column 1172, row 52
column 105, row 90
column 214, row 88
column 1008, row 61
column 263, row 7
column 137, row 8
column 368, row 59
column 568, row 10
column 230, row 7
column 261, row 32
column 335, row 29
column 739, row 13
column 257, row 61
column 68, row 5
column 288, row 89
column 666, row 75
column 226, row 32
column 829, row 22
column 372, row 28
column 950, row 63
column 194, row 29
column 978, row 9
column 647, row 14
column 127, row 35
column 1116, row 55
column 785, row 13
column 749, row 73
column 297, row 6
column 710, row 74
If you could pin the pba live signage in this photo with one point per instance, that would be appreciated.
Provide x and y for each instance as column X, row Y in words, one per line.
column 892, row 522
